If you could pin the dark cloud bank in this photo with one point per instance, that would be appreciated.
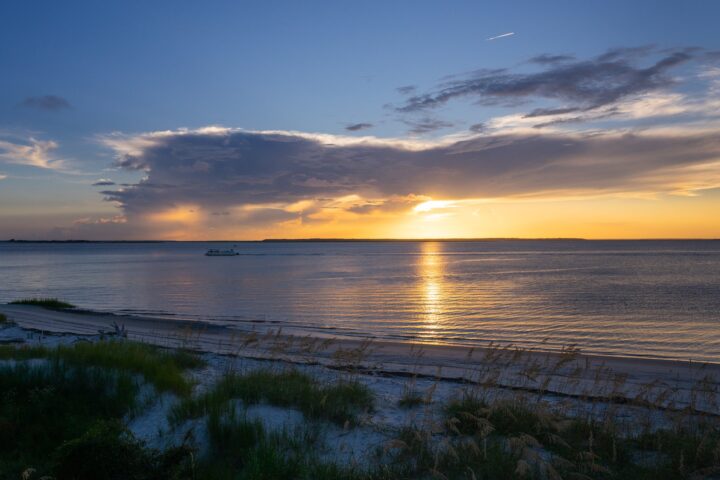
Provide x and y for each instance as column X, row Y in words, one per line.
column 218, row 170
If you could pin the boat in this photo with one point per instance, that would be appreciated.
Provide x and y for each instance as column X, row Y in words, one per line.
column 214, row 252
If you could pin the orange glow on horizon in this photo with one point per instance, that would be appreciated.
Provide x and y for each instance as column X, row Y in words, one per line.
column 610, row 217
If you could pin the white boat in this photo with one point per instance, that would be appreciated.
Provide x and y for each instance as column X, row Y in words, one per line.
column 214, row 252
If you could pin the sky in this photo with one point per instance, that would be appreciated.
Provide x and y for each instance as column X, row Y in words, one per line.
column 379, row 119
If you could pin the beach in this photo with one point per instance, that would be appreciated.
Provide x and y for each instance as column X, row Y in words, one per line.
column 567, row 372
column 637, row 393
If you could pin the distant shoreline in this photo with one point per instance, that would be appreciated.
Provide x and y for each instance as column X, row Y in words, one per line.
column 376, row 240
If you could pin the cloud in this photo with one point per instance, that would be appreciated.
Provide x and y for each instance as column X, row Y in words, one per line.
column 579, row 84
column 32, row 152
column 50, row 103
column 545, row 59
column 426, row 125
column 358, row 126
column 702, row 106
column 3, row 176
column 406, row 89
column 545, row 112
column 116, row 219
column 393, row 204
column 275, row 177
column 503, row 35
column 103, row 182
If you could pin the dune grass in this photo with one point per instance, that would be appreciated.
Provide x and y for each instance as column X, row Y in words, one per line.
column 108, row 450
column 534, row 441
column 480, row 433
column 411, row 398
column 240, row 448
column 162, row 368
column 339, row 402
column 45, row 405
column 48, row 303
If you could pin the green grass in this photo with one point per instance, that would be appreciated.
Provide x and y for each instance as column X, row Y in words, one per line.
column 411, row 399
column 416, row 453
column 242, row 449
column 339, row 402
column 43, row 406
column 584, row 447
column 162, row 368
column 108, row 450
column 49, row 303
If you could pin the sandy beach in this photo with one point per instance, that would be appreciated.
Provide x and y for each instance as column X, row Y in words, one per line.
column 412, row 389
column 670, row 384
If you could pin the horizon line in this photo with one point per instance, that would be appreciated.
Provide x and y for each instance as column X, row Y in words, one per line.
column 360, row 240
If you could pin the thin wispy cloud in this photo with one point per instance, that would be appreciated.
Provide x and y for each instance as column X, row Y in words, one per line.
column 356, row 127
column 103, row 182
column 51, row 103
column 503, row 35
column 575, row 84
column 426, row 125
column 31, row 152
column 406, row 89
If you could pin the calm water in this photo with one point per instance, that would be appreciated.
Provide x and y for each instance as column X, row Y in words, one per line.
column 648, row 298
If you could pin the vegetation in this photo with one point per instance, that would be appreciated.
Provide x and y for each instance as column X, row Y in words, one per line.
column 108, row 450
column 45, row 406
column 338, row 402
column 63, row 416
column 243, row 449
column 520, row 438
column 162, row 368
column 49, row 303
column 411, row 397
column 3, row 319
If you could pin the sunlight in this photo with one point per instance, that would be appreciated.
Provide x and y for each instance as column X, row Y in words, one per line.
column 431, row 270
column 432, row 205
column 180, row 214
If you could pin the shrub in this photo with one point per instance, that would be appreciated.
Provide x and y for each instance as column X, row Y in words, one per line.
column 43, row 406
column 49, row 303
column 109, row 451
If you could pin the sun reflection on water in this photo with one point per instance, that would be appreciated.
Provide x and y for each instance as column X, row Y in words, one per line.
column 431, row 269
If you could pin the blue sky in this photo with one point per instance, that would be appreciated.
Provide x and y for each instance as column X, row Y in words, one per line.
column 75, row 72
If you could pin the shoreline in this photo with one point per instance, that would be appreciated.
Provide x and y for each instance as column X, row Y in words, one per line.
column 671, row 384
column 61, row 322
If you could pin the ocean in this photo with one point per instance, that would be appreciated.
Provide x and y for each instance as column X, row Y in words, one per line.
column 657, row 299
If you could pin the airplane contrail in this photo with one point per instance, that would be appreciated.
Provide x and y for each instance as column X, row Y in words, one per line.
column 501, row 36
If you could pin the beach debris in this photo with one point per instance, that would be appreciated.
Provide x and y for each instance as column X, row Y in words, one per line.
column 118, row 330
